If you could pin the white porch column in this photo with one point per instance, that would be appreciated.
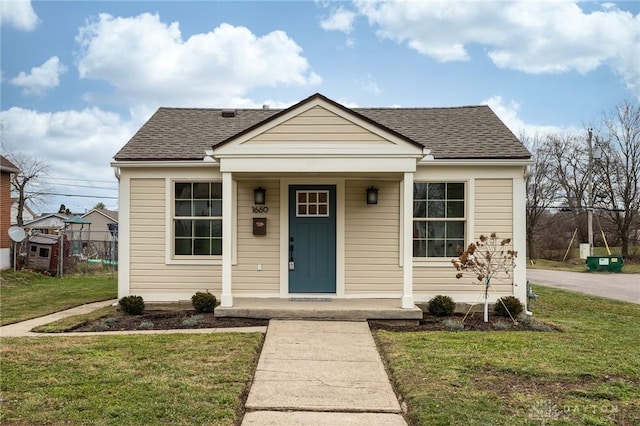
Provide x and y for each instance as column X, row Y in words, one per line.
column 226, row 299
column 520, row 239
column 407, row 242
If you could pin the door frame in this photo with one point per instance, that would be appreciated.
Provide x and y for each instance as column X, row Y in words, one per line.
column 284, row 234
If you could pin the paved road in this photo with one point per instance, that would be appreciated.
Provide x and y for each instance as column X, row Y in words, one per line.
column 624, row 287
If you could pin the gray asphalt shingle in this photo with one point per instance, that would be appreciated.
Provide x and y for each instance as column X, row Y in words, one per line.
column 451, row 133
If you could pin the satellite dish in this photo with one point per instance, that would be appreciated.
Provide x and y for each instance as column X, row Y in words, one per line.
column 17, row 234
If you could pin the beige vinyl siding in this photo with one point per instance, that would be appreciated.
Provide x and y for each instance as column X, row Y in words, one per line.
column 494, row 213
column 493, row 200
column 149, row 273
column 254, row 250
column 372, row 239
column 318, row 125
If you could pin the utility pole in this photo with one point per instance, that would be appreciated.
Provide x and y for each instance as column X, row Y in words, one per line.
column 590, row 193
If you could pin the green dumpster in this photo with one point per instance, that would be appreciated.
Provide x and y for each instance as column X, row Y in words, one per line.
column 604, row 263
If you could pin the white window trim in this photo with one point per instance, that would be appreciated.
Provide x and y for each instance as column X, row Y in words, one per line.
column 170, row 258
column 439, row 262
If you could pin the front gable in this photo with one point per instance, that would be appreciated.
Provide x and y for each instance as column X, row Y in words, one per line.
column 318, row 135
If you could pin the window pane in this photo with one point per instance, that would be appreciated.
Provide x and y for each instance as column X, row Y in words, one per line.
column 436, row 229
column 216, row 228
column 201, row 190
column 183, row 246
column 313, row 209
column 216, row 246
column 216, row 190
column 435, row 248
column 419, row 229
column 419, row 191
column 302, row 197
column 202, row 246
column 419, row 209
column 183, row 208
column 455, row 191
column 452, row 247
column 419, row 248
column 455, row 229
column 313, row 197
column 202, row 228
column 435, row 209
column 455, row 208
column 436, row 191
column 322, row 197
column 322, row 209
column 216, row 208
column 183, row 191
column 183, row 228
column 201, row 208
column 302, row 209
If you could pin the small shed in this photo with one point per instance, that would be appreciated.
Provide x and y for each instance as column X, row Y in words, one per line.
column 44, row 250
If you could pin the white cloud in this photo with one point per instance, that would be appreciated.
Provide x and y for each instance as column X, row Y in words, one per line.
column 41, row 78
column 340, row 19
column 76, row 145
column 148, row 62
column 18, row 14
column 529, row 36
column 369, row 84
column 509, row 113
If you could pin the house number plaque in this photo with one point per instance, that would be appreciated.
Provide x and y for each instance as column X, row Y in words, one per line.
column 260, row 209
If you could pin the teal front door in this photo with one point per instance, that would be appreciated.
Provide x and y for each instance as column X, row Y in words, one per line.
column 312, row 239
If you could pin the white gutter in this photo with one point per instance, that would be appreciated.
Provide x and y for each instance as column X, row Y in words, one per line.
column 475, row 162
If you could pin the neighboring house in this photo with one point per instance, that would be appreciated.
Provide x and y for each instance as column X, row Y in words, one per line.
column 317, row 200
column 7, row 168
column 27, row 214
column 98, row 236
column 47, row 223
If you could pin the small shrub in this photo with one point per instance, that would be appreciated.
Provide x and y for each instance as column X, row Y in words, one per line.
column 541, row 327
column 192, row 322
column 203, row 302
column 110, row 320
column 510, row 305
column 145, row 325
column 453, row 325
column 441, row 306
column 132, row 305
column 499, row 325
column 99, row 326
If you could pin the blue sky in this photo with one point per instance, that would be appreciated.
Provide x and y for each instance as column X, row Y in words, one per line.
column 79, row 78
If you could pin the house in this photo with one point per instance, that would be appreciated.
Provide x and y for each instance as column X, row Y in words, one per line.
column 47, row 223
column 7, row 168
column 317, row 201
column 95, row 233
column 27, row 214
column 43, row 252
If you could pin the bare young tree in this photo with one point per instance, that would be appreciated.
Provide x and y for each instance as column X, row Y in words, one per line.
column 618, row 171
column 542, row 187
column 23, row 184
column 570, row 156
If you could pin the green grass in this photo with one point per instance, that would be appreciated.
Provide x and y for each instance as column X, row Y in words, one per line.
column 587, row 374
column 27, row 295
column 176, row 379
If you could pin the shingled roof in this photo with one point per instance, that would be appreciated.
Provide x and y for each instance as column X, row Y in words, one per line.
column 472, row 132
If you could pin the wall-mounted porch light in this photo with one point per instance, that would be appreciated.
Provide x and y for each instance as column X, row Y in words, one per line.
column 372, row 195
column 259, row 195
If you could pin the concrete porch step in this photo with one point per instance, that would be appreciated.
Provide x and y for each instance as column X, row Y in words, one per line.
column 319, row 308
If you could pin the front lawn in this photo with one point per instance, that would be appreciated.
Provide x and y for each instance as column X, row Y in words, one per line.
column 27, row 295
column 587, row 374
column 176, row 379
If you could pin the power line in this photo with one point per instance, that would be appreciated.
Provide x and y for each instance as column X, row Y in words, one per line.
column 83, row 180
column 70, row 195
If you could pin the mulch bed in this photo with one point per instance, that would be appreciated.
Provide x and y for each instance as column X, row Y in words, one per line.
column 166, row 320
column 473, row 322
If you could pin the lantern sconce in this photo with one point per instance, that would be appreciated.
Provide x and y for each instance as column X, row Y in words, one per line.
column 259, row 195
column 372, row 195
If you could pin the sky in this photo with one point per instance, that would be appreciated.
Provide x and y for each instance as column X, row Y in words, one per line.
column 79, row 78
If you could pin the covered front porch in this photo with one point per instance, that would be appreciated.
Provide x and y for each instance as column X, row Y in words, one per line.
column 320, row 308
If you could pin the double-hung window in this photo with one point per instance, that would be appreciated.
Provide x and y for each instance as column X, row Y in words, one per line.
column 438, row 219
column 197, row 219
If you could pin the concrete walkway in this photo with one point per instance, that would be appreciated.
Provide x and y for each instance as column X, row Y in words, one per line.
column 23, row 329
column 321, row 373
column 625, row 287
